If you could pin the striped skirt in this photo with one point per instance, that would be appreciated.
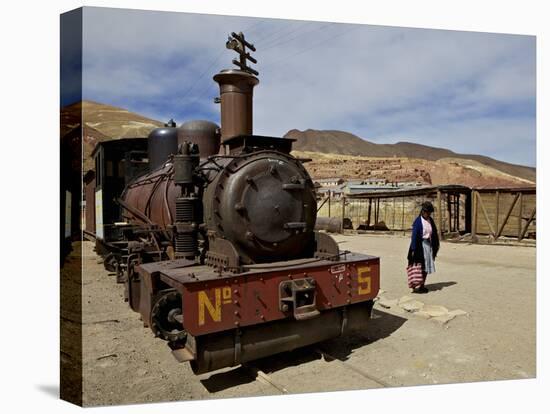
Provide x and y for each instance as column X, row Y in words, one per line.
column 429, row 265
column 414, row 275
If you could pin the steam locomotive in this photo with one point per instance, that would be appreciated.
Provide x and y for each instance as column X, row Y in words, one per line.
column 211, row 230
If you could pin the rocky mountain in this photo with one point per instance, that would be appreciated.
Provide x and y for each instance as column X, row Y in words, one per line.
column 102, row 122
column 408, row 170
column 111, row 121
column 334, row 153
column 344, row 143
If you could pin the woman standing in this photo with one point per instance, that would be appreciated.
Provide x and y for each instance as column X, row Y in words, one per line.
column 424, row 247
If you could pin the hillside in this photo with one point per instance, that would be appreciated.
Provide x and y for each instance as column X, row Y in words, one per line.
column 111, row 121
column 403, row 169
column 335, row 153
column 344, row 143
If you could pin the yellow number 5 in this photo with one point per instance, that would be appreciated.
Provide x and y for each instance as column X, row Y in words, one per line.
column 364, row 280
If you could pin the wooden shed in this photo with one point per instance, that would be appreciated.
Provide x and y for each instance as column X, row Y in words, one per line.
column 509, row 212
column 459, row 210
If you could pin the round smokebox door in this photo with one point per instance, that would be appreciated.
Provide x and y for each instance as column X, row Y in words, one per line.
column 269, row 207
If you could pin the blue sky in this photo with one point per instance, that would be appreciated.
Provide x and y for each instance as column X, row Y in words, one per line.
column 466, row 91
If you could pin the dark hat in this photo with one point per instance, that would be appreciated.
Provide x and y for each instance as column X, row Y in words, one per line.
column 427, row 206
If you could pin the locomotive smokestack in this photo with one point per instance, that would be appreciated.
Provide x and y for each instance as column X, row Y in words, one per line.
column 236, row 86
column 236, row 102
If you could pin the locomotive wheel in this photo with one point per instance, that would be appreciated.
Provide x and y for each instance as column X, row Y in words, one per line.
column 121, row 276
column 166, row 317
column 110, row 262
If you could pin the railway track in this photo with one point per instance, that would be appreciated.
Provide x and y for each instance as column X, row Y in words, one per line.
column 370, row 381
column 88, row 235
column 355, row 369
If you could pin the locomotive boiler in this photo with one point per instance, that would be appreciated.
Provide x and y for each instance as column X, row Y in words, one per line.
column 216, row 244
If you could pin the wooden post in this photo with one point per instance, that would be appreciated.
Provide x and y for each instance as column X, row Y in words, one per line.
column 497, row 207
column 329, row 197
column 474, row 216
column 343, row 211
column 449, row 218
column 377, row 213
column 457, row 212
column 403, row 213
column 520, row 216
column 439, row 215
column 369, row 211
column 393, row 217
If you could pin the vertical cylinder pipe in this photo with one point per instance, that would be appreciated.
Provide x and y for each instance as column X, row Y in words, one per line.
column 236, row 102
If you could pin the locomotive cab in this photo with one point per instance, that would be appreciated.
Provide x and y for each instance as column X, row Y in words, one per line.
column 117, row 163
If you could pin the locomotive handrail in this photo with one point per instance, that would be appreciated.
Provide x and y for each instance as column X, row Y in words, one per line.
column 134, row 211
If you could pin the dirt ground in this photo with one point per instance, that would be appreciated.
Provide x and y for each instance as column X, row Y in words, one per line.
column 494, row 285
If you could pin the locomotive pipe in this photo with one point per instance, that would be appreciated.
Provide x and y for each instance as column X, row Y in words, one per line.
column 187, row 211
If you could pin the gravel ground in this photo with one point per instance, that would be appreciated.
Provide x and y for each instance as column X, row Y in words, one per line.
column 494, row 340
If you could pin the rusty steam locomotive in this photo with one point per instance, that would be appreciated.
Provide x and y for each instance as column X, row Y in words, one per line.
column 212, row 232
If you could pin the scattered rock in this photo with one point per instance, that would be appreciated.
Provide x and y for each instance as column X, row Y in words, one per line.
column 398, row 310
column 435, row 310
column 107, row 356
column 458, row 312
column 405, row 299
column 387, row 303
column 443, row 319
column 412, row 305
column 423, row 314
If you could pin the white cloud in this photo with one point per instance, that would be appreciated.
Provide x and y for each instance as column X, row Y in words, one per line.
column 470, row 92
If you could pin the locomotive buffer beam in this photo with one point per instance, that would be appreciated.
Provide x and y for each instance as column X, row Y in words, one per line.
column 235, row 318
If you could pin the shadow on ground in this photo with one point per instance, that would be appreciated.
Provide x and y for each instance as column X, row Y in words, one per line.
column 49, row 389
column 227, row 379
column 381, row 325
column 439, row 286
